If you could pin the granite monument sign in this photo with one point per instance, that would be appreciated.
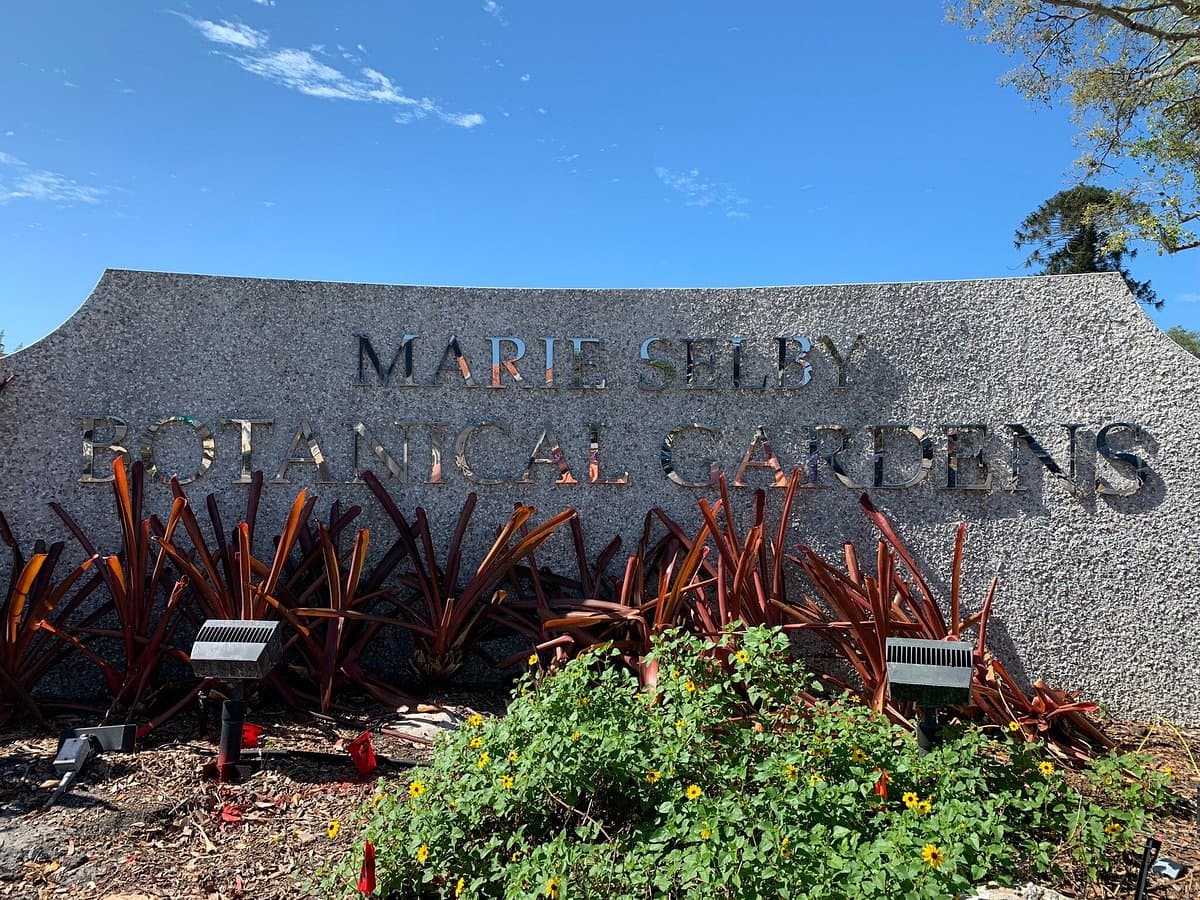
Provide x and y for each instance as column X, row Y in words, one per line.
column 1048, row 413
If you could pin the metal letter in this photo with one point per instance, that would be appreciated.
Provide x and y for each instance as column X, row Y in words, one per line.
column 1021, row 435
column 693, row 365
column 786, row 360
column 667, row 461
column 246, row 445
column 208, row 447
column 116, row 446
column 397, row 471
column 436, row 431
column 594, row 458
column 555, row 458
column 549, row 342
column 460, row 451
column 770, row 461
column 923, row 442
column 366, row 352
column 955, row 458
column 662, row 366
column 307, row 437
column 509, row 363
column 1141, row 469
column 831, row 459
column 578, row 362
column 460, row 366
column 841, row 362
column 737, row 367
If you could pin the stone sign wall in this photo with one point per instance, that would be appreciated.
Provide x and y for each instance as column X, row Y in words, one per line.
column 1048, row 413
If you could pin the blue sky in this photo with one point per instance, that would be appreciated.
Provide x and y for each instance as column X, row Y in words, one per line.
column 616, row 144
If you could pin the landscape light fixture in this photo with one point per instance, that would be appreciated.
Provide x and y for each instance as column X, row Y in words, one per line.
column 931, row 674
column 237, row 651
column 77, row 746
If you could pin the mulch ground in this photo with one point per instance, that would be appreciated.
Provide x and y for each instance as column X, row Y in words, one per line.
column 146, row 824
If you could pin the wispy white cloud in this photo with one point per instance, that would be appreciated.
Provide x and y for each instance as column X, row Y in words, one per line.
column 301, row 71
column 264, row 2
column 24, row 182
column 698, row 192
column 1179, row 298
column 525, row 77
column 492, row 8
column 232, row 34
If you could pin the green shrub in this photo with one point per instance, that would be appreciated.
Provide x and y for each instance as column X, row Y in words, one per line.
column 726, row 785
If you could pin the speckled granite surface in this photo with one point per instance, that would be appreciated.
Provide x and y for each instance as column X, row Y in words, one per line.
column 1098, row 591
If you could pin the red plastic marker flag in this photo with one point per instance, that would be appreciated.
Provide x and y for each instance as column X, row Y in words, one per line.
column 362, row 753
column 250, row 734
column 366, row 876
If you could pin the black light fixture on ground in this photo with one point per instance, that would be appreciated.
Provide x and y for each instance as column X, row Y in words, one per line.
column 931, row 674
column 237, row 651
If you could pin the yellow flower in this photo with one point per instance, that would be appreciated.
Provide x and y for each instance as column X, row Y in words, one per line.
column 517, row 854
column 474, row 720
column 1113, row 828
column 792, row 772
column 694, row 791
column 483, row 760
column 681, row 724
column 575, row 735
column 858, row 755
column 582, row 701
column 1014, row 727
column 814, row 780
column 334, row 827
column 705, row 834
column 552, row 888
column 378, row 800
column 533, row 659
column 674, row 673
column 1168, row 771
column 653, row 775
column 783, row 847
column 933, row 855
column 910, row 799
column 476, row 743
column 460, row 887
column 416, row 788
column 506, row 782
column 1046, row 768
column 689, row 686
column 742, row 657
column 925, row 807
column 423, row 853
column 513, row 756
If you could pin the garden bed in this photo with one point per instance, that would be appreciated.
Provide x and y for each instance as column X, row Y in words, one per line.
column 146, row 825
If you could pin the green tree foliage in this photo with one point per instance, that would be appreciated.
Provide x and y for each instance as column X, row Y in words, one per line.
column 1188, row 340
column 1067, row 239
column 1131, row 73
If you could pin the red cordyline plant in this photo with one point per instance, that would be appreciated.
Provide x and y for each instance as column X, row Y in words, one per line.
column 702, row 582
column 859, row 611
column 146, row 600
column 332, row 604
column 34, row 606
column 229, row 581
column 452, row 609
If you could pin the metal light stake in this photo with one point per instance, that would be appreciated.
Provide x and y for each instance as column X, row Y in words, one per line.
column 932, row 674
column 235, row 650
